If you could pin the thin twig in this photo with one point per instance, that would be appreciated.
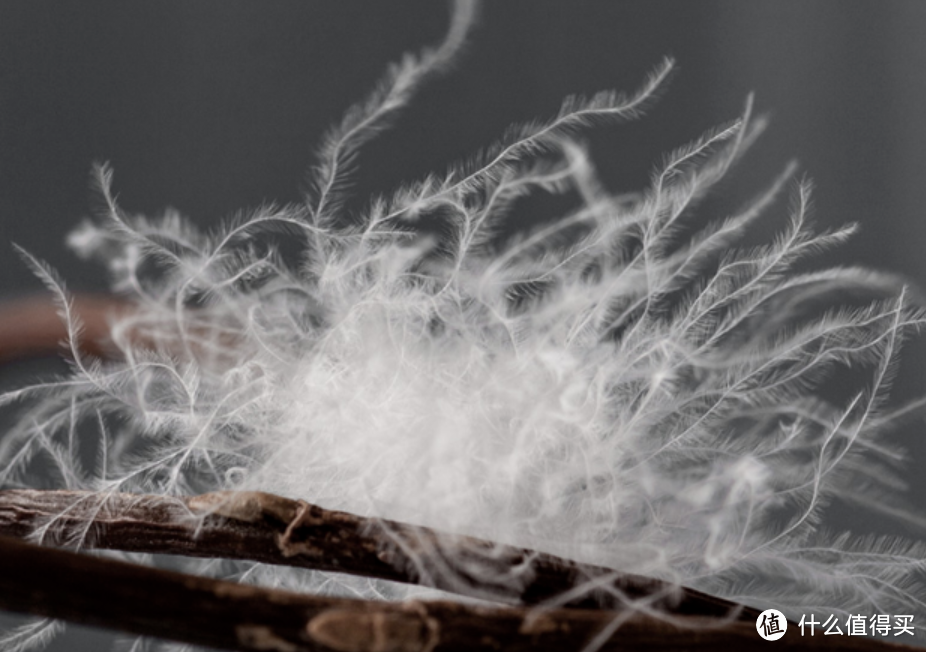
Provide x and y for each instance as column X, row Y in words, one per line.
column 32, row 327
column 216, row 613
column 271, row 529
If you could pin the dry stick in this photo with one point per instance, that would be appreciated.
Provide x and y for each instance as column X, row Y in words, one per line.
column 216, row 613
column 271, row 529
column 32, row 327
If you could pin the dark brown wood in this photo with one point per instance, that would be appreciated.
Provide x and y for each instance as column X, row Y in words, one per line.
column 275, row 530
column 220, row 614
column 32, row 327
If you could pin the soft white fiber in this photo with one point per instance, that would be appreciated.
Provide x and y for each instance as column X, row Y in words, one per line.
column 614, row 386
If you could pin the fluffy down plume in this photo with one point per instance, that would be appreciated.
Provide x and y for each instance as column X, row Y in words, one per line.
column 612, row 386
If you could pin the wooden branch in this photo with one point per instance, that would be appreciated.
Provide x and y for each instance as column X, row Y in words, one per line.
column 275, row 530
column 215, row 613
column 32, row 327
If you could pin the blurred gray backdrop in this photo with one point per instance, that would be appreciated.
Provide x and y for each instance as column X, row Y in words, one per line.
column 211, row 106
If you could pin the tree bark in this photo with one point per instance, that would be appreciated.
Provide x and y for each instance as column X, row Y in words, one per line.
column 215, row 613
column 271, row 529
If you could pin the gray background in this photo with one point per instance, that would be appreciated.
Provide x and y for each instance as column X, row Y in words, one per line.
column 211, row 106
